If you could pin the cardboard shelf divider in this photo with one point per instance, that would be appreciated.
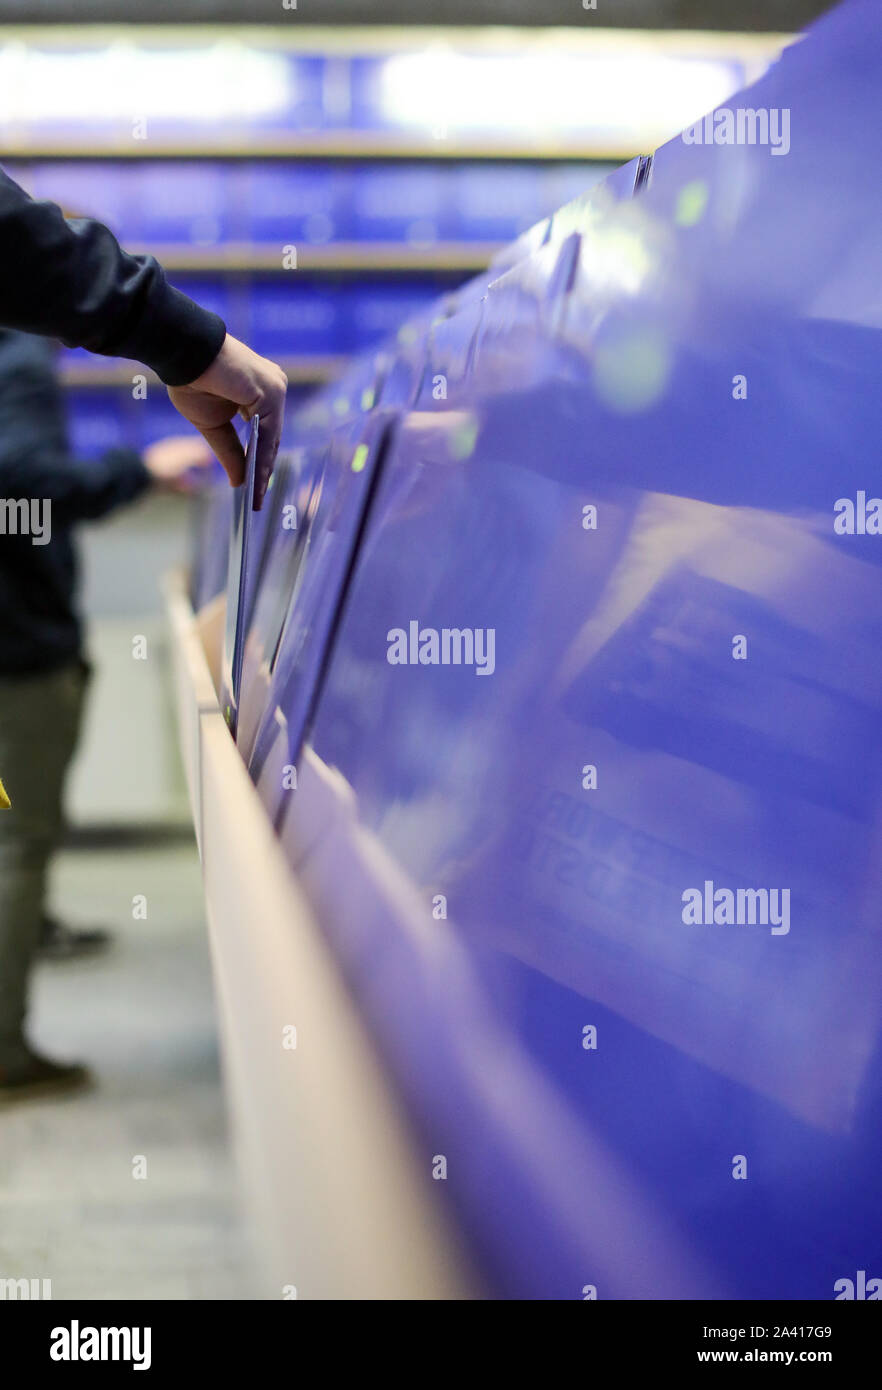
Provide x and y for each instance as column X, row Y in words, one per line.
column 340, row 1195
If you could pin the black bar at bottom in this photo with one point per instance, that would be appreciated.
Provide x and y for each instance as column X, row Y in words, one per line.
column 65, row 1338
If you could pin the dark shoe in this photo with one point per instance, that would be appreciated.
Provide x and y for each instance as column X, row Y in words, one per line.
column 61, row 942
column 38, row 1077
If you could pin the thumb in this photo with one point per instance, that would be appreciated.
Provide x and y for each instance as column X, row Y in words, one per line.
column 224, row 444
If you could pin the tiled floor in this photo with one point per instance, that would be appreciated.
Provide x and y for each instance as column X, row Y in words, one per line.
column 142, row 1017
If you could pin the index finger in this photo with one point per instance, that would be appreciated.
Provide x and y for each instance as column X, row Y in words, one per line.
column 272, row 416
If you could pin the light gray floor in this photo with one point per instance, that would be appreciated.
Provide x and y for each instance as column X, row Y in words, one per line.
column 142, row 1017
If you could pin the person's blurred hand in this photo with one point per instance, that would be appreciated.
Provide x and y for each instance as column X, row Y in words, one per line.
column 237, row 382
column 171, row 462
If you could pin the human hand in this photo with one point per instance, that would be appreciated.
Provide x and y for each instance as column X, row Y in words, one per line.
column 172, row 461
column 237, row 382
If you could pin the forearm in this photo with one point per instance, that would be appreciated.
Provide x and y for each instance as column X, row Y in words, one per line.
column 72, row 280
column 78, row 491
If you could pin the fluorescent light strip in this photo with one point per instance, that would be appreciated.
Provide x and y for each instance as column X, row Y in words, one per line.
column 544, row 93
column 122, row 82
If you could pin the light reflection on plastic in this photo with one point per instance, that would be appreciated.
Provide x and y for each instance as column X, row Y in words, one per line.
column 618, row 258
column 631, row 372
column 691, row 203
column 464, row 439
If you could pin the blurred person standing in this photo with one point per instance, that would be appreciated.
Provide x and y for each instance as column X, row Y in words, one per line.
column 44, row 493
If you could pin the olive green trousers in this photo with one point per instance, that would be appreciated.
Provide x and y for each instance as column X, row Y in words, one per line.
column 40, row 720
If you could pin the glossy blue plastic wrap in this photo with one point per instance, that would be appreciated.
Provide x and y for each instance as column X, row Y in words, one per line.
column 583, row 635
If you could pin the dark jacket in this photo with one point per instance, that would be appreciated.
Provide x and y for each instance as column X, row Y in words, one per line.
column 71, row 280
column 39, row 626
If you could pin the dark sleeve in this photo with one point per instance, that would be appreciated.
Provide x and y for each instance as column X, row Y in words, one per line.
column 34, row 461
column 71, row 280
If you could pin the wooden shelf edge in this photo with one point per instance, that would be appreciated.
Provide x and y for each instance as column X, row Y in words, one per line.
column 301, row 371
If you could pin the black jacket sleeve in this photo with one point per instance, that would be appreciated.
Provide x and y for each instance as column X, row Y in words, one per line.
column 71, row 280
column 34, row 456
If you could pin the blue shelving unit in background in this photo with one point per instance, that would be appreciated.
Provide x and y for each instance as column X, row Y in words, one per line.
column 317, row 147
